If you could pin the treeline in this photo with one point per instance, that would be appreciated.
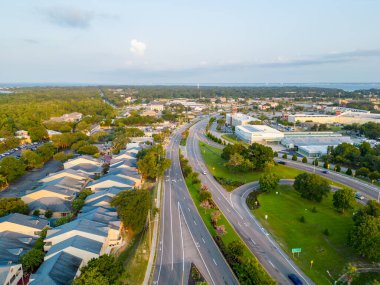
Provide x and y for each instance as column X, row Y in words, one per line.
column 152, row 162
column 155, row 92
column 370, row 130
column 214, row 138
column 247, row 269
column 365, row 159
column 28, row 108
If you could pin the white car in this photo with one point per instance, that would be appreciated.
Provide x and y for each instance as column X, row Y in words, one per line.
column 359, row 196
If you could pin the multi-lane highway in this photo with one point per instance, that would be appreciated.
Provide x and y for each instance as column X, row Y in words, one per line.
column 264, row 247
column 184, row 239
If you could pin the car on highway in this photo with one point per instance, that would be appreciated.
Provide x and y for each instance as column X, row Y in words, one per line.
column 359, row 196
column 204, row 172
column 281, row 162
column 325, row 171
column 294, row 278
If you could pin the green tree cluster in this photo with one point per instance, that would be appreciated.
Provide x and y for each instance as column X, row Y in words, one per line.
column 311, row 186
column 152, row 162
column 13, row 205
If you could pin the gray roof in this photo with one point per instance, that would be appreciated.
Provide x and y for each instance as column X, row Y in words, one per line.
column 125, row 172
column 67, row 182
column 100, row 215
column 112, row 191
column 80, row 225
column 87, row 167
column 55, row 189
column 79, row 242
column 28, row 221
column 120, row 162
column 57, row 270
column 13, row 245
column 51, row 203
column 89, row 208
column 68, row 171
column 115, row 178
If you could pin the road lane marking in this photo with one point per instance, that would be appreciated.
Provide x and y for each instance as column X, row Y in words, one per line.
column 271, row 264
column 214, row 262
column 252, row 241
column 199, row 252
column 183, row 248
column 203, row 240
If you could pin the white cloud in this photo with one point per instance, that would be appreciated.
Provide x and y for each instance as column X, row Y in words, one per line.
column 137, row 48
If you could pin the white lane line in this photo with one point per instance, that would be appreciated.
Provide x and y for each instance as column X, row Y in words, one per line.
column 228, row 210
column 188, row 209
column 171, row 221
column 203, row 240
column 232, row 205
column 252, row 241
column 271, row 264
column 214, row 262
column 183, row 248
column 195, row 222
column 199, row 252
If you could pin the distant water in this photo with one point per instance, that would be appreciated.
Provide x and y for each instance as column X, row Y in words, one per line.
column 5, row 92
column 343, row 86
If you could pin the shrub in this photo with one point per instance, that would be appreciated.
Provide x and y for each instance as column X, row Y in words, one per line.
column 304, row 160
column 349, row 171
column 302, row 219
column 285, row 156
column 326, row 232
column 48, row 214
column 294, row 157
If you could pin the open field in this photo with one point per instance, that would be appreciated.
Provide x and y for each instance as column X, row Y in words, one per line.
column 328, row 252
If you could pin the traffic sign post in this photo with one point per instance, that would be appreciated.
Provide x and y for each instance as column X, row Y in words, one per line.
column 296, row 250
column 311, row 263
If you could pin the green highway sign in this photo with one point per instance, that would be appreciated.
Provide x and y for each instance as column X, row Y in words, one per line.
column 295, row 250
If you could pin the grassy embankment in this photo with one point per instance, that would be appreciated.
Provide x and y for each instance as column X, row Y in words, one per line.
column 329, row 252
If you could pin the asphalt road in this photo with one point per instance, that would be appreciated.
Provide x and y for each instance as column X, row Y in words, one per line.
column 183, row 238
column 263, row 246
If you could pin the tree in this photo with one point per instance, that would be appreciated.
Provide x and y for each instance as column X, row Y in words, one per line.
column 337, row 168
column 205, row 195
column 132, row 207
column 31, row 159
column 46, row 151
column 349, row 171
column 105, row 269
column 12, row 205
column 48, row 214
column 231, row 149
column 268, row 181
column 362, row 171
column 61, row 156
column 304, row 160
column 258, row 155
column 365, row 237
column 215, row 216
column 88, row 149
column 315, row 162
column 32, row 259
column 294, row 157
column 285, row 156
column 326, row 165
column 38, row 133
column 235, row 250
column 12, row 168
column 311, row 186
column 152, row 162
column 3, row 181
column 343, row 199
column 375, row 175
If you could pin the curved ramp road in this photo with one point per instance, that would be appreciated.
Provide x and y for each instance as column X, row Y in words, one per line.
column 262, row 245
column 184, row 239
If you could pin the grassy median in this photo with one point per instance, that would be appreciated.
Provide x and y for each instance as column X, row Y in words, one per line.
column 322, row 236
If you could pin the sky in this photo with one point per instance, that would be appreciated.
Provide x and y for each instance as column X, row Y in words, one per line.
column 189, row 41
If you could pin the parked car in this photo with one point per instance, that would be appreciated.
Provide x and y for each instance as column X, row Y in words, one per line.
column 281, row 162
column 295, row 279
column 359, row 196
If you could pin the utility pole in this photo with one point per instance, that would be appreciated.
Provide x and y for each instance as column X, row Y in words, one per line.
column 149, row 231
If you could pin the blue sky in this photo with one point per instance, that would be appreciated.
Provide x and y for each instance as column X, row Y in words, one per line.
column 159, row 41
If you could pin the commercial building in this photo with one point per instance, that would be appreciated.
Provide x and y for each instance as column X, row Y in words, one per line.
column 342, row 117
column 313, row 144
column 238, row 119
column 258, row 133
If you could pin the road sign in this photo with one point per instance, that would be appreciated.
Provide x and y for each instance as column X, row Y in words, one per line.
column 296, row 250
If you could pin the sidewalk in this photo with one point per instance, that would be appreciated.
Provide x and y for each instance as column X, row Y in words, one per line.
column 154, row 238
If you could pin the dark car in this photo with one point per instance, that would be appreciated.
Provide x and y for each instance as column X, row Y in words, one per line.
column 281, row 162
column 325, row 171
column 294, row 279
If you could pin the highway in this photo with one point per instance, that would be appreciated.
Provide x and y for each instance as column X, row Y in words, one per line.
column 183, row 237
column 262, row 245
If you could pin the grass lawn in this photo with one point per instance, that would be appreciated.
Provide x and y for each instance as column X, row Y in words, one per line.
column 328, row 252
column 215, row 164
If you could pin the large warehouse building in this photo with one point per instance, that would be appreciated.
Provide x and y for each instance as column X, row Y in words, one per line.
column 313, row 144
column 348, row 117
column 238, row 119
column 258, row 133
